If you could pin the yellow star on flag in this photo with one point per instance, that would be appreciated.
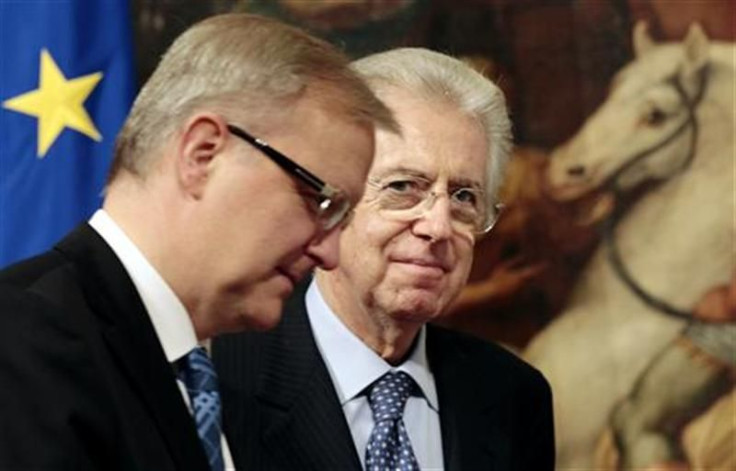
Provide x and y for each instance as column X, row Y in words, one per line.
column 57, row 103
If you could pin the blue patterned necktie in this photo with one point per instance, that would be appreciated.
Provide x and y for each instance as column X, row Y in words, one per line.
column 389, row 448
column 198, row 375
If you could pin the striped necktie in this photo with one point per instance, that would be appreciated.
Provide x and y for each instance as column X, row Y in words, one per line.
column 198, row 375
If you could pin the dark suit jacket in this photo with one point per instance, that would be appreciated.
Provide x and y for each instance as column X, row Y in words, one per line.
column 281, row 411
column 84, row 382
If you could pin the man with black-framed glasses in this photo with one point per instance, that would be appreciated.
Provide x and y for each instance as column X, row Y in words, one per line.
column 354, row 378
column 204, row 229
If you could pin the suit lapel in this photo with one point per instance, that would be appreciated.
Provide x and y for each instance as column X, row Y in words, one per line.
column 131, row 338
column 302, row 414
column 470, row 440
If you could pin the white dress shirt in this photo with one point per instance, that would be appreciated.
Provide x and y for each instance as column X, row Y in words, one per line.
column 353, row 366
column 168, row 315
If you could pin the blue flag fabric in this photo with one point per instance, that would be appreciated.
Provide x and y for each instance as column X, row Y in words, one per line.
column 66, row 84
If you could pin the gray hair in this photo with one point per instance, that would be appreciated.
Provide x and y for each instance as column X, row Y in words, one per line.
column 240, row 65
column 432, row 75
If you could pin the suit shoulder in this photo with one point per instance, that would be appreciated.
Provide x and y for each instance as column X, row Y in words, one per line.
column 49, row 372
column 489, row 355
column 26, row 307
column 42, row 295
column 26, row 273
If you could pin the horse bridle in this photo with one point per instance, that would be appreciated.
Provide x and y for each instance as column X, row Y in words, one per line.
column 612, row 184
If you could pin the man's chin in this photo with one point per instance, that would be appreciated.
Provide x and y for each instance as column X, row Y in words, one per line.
column 418, row 277
column 418, row 305
column 260, row 318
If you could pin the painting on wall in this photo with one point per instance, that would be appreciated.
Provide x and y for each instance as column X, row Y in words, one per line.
column 645, row 346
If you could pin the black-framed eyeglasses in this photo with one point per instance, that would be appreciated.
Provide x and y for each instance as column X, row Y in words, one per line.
column 333, row 206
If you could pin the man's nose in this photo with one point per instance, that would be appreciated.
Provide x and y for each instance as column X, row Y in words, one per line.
column 326, row 249
column 436, row 222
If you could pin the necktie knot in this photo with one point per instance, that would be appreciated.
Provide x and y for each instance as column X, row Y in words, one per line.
column 389, row 394
column 197, row 372
column 389, row 447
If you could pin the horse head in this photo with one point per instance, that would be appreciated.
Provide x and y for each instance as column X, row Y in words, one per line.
column 646, row 129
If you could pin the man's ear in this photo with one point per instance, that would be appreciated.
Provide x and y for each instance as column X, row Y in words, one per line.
column 200, row 141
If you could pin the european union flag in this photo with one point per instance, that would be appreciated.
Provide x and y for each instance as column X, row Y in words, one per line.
column 66, row 84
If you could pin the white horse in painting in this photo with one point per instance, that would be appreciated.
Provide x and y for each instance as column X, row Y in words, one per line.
column 669, row 118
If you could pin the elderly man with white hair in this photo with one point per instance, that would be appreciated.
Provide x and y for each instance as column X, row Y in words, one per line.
column 354, row 377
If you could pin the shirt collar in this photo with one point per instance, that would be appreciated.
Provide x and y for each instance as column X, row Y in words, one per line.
column 168, row 315
column 354, row 366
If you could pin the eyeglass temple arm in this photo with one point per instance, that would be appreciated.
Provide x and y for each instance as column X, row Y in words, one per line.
column 283, row 161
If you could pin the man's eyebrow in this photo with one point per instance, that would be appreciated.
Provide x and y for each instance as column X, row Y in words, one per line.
column 403, row 171
column 466, row 183
column 458, row 182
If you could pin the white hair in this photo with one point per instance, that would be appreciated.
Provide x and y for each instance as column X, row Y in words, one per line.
column 435, row 76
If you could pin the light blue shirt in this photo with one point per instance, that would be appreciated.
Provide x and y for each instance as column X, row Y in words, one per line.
column 353, row 366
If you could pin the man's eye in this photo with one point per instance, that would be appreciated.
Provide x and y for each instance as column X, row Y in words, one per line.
column 400, row 186
column 465, row 196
